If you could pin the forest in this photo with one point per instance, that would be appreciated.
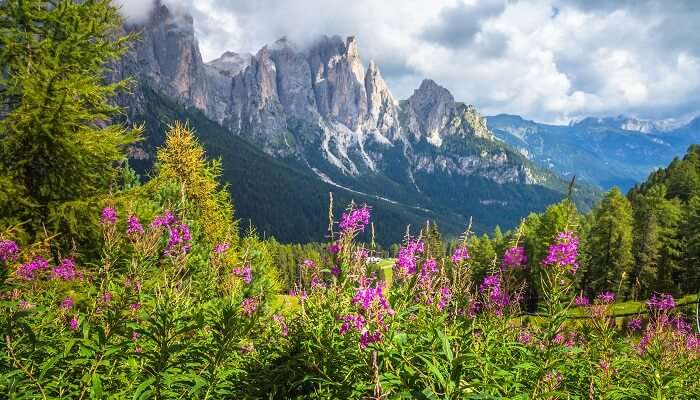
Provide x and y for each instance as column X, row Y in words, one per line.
column 114, row 286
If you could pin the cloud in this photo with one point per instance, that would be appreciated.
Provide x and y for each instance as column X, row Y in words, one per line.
column 548, row 60
column 135, row 11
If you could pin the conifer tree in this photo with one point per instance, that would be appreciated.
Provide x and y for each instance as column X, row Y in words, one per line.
column 58, row 148
column 690, row 276
column 610, row 243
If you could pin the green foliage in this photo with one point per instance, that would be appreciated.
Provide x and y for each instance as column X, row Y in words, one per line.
column 57, row 151
column 610, row 243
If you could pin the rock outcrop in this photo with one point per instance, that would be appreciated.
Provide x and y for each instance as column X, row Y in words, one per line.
column 319, row 105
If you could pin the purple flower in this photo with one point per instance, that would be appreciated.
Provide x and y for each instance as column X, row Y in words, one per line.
column 164, row 220
column 8, row 250
column 635, row 324
column 681, row 325
column 309, row 263
column 460, row 254
column 524, row 337
column 606, row 297
column 108, row 216
column 67, row 303
column 106, row 297
column 179, row 238
column 563, row 252
column 406, row 259
column 73, row 324
column 352, row 321
column 135, row 307
column 221, row 248
column 490, row 281
column 662, row 303
column 429, row 268
column 445, row 297
column 135, row 335
column 282, row 324
column 355, row 220
column 335, row 271
column 368, row 296
column 133, row 225
column 474, row 308
column 249, row 305
column 27, row 270
column 514, row 257
column 581, row 301
column 334, row 248
column 368, row 338
column 65, row 270
column 245, row 272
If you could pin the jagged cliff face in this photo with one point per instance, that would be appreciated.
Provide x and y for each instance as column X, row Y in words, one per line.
column 321, row 106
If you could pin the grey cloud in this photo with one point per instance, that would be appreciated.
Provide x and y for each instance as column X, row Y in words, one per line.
column 458, row 25
column 544, row 59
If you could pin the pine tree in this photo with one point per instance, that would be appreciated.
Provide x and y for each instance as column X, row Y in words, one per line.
column 690, row 276
column 58, row 148
column 610, row 243
column 647, row 246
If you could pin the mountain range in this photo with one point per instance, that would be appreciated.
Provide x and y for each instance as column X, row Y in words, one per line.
column 293, row 124
column 614, row 151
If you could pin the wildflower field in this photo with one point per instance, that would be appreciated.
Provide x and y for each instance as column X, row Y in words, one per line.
column 173, row 306
column 119, row 286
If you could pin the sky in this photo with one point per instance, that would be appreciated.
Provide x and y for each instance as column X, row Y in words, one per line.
column 547, row 60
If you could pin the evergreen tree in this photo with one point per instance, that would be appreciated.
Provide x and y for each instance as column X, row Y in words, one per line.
column 647, row 246
column 610, row 243
column 690, row 276
column 58, row 148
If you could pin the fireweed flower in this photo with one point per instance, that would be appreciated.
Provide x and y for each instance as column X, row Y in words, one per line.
column 635, row 324
column 606, row 297
column 514, row 257
column 581, row 301
column 407, row 257
column 369, row 296
column 334, row 248
column 179, row 238
column 428, row 270
column 445, row 297
column 309, row 263
column 335, row 270
column 282, row 324
column 563, row 252
column 460, row 254
column 133, row 225
column 524, row 337
column 108, row 216
column 355, row 220
column 245, row 272
column 106, row 297
column 8, row 250
column 662, row 303
column 221, row 248
column 65, row 270
column 497, row 298
column 73, row 323
column 249, row 305
column 67, row 303
column 165, row 220
column 28, row 270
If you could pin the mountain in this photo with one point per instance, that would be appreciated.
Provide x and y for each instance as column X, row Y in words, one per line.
column 617, row 151
column 319, row 112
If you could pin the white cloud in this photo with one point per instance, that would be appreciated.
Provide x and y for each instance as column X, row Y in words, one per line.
column 550, row 60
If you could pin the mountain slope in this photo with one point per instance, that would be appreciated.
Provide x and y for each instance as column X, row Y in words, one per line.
column 608, row 152
column 280, row 199
column 319, row 112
